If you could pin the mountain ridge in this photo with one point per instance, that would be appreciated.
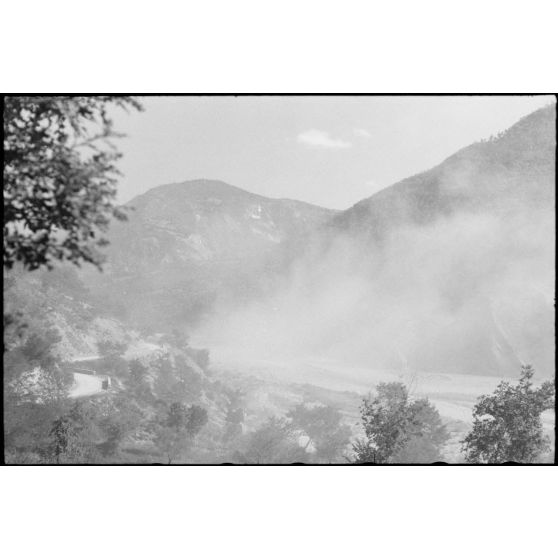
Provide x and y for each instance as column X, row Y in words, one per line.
column 194, row 239
column 535, row 133
column 218, row 186
column 441, row 246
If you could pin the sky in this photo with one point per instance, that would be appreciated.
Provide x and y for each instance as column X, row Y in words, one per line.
column 329, row 151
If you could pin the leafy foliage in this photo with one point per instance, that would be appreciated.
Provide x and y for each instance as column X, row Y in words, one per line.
column 110, row 348
column 235, row 415
column 165, row 380
column 397, row 430
column 129, row 422
column 425, row 435
column 274, row 442
column 138, row 379
column 176, row 338
column 112, row 361
column 188, row 383
column 59, row 178
column 179, row 427
column 507, row 424
column 323, row 427
column 73, row 435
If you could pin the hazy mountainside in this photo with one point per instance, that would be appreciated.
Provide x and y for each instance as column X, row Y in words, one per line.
column 186, row 243
column 204, row 221
column 514, row 171
column 61, row 339
column 451, row 270
column 232, row 328
column 499, row 276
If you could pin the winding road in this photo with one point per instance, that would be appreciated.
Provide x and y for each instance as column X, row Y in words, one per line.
column 86, row 384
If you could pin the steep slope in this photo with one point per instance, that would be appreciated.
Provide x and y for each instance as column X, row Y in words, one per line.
column 483, row 223
column 451, row 270
column 204, row 221
column 512, row 172
column 186, row 243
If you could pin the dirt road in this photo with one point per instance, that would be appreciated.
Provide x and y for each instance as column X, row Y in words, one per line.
column 85, row 384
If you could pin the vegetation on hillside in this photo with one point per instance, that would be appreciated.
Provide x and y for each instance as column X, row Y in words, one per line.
column 507, row 424
column 59, row 178
column 166, row 406
column 398, row 430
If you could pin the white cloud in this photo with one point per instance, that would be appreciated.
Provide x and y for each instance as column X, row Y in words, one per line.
column 321, row 139
column 362, row 133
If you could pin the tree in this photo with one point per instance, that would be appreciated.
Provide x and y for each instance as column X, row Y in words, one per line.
column 33, row 373
column 179, row 428
column 324, row 429
column 234, row 415
column 35, row 384
column 196, row 420
column 110, row 348
column 399, row 431
column 276, row 441
column 73, row 435
column 188, row 383
column 507, row 424
column 233, row 419
column 425, row 433
column 112, row 361
column 59, row 178
column 117, row 417
column 176, row 338
column 63, row 436
column 177, row 416
column 385, row 418
column 165, row 380
column 138, row 379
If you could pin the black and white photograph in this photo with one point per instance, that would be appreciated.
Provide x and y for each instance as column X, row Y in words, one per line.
column 279, row 279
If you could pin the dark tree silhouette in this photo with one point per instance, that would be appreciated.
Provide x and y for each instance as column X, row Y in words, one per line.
column 276, row 441
column 59, row 178
column 507, row 424
column 324, row 427
column 179, row 428
column 398, row 430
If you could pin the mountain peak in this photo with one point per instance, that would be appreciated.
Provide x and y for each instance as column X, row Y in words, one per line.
column 187, row 237
column 510, row 171
column 196, row 190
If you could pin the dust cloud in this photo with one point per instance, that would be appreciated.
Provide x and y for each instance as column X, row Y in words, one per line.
column 470, row 294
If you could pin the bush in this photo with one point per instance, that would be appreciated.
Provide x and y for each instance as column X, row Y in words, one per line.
column 323, row 427
column 276, row 442
column 507, row 424
column 397, row 430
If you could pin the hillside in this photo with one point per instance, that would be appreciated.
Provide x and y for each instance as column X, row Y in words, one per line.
column 512, row 172
column 185, row 244
column 204, row 221
column 451, row 270
column 232, row 328
column 495, row 201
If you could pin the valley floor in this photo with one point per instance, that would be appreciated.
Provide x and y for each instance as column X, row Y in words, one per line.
column 275, row 385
